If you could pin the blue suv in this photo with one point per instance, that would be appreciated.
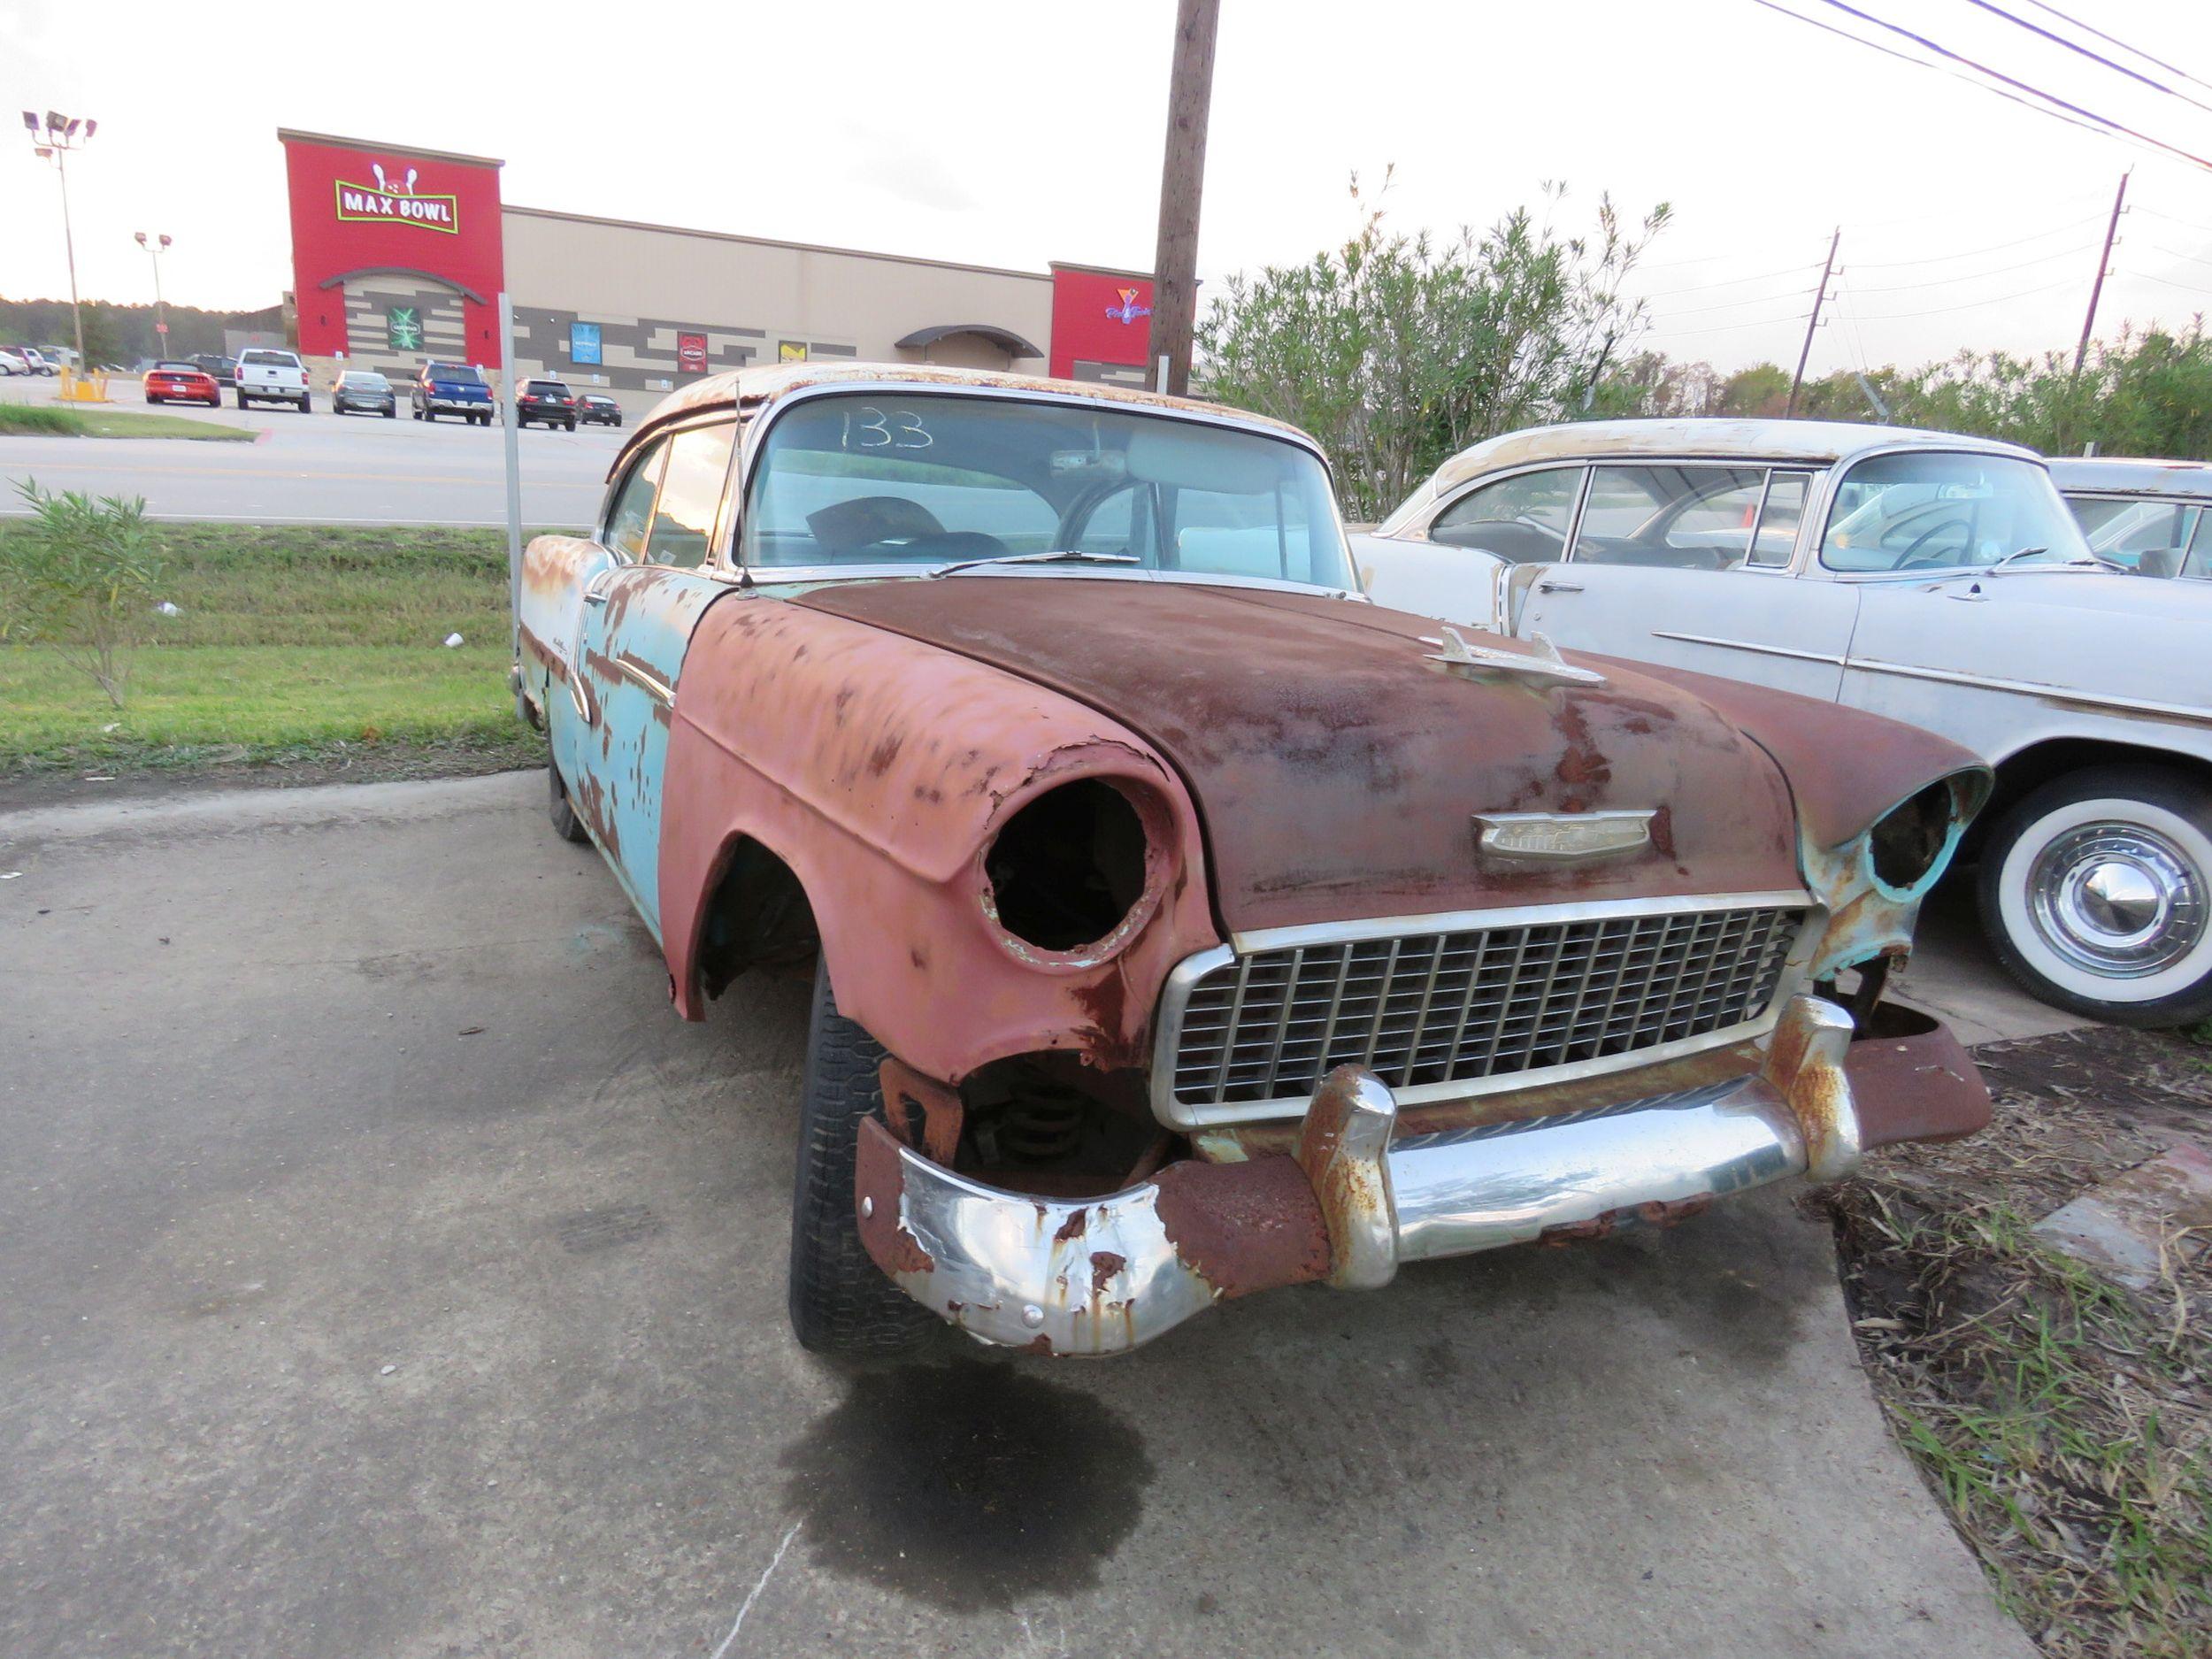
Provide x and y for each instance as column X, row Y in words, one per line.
column 452, row 389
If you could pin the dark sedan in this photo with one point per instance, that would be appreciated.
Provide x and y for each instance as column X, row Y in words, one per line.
column 364, row 392
column 222, row 370
column 549, row 401
column 596, row 409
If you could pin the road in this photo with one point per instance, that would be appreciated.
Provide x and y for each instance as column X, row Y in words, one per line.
column 390, row 1272
column 319, row 468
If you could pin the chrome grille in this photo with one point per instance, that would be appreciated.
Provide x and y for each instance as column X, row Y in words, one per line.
column 1462, row 1005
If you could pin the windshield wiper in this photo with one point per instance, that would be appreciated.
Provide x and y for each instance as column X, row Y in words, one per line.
column 2077, row 561
column 1058, row 555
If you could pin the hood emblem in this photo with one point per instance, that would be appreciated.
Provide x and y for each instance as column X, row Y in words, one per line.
column 1543, row 663
column 1558, row 836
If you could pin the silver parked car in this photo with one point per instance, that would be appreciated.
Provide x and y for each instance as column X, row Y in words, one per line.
column 2152, row 517
column 1935, row 579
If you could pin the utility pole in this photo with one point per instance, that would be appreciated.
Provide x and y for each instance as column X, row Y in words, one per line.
column 1820, row 298
column 62, row 134
column 1182, row 173
column 155, row 247
column 2104, row 260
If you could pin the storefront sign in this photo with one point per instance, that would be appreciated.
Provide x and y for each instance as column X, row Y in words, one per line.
column 791, row 352
column 583, row 342
column 403, row 329
column 691, row 353
column 395, row 199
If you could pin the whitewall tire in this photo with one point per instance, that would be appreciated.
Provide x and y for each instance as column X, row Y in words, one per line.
column 2096, row 893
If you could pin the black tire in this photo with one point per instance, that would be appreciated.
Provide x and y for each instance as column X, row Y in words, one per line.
column 841, row 1302
column 566, row 824
column 417, row 413
column 242, row 399
column 572, row 425
column 2166, row 812
column 392, row 413
column 305, row 403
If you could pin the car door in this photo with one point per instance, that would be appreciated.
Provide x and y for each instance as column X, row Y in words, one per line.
column 1691, row 564
column 638, row 617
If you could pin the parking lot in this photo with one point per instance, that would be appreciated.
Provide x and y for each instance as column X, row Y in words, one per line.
column 318, row 468
column 394, row 1273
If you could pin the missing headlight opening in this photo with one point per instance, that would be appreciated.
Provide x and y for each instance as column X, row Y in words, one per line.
column 1906, row 844
column 1068, row 867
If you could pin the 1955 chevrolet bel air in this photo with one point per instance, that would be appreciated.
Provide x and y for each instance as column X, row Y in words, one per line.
column 1183, row 925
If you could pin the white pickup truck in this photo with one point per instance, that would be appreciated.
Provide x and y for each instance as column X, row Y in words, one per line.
column 268, row 375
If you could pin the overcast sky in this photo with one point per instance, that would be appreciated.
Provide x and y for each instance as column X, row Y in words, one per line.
column 1015, row 134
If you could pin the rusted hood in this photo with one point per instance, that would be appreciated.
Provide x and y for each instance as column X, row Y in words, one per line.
column 1336, row 770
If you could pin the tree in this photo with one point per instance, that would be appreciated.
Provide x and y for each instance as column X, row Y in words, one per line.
column 1396, row 351
column 79, row 577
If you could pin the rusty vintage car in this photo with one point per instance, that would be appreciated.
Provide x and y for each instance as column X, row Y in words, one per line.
column 1183, row 925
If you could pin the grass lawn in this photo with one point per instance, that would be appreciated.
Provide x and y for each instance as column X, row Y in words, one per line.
column 49, row 420
column 296, row 643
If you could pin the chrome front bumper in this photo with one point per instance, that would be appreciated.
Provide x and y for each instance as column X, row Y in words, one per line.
column 1101, row 1275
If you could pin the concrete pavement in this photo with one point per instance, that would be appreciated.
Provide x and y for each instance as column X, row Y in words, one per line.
column 391, row 1273
column 319, row 468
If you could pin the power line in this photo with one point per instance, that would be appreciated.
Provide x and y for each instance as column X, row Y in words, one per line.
column 1895, row 265
column 2170, row 219
column 1976, row 276
column 1969, row 305
column 2094, row 56
column 1733, row 282
column 1995, row 74
column 2175, row 253
column 2145, row 276
column 2113, row 40
column 1921, row 63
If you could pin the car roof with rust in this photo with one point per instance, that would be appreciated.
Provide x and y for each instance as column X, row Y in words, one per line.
column 2125, row 475
column 751, row 390
column 1818, row 442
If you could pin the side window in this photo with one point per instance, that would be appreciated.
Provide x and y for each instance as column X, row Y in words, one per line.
column 631, row 509
column 1784, row 510
column 691, row 489
column 1521, row 519
column 1671, row 517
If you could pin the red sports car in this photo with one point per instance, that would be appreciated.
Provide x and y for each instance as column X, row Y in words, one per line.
column 181, row 382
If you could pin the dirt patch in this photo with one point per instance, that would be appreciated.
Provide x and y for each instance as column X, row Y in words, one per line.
column 203, row 771
column 2065, row 1422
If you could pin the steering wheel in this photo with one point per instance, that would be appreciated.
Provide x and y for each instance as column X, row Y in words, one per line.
column 1909, row 561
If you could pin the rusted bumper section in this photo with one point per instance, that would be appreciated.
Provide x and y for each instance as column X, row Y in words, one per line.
column 1101, row 1275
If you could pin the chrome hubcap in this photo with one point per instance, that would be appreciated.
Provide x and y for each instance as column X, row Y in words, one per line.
column 2118, row 899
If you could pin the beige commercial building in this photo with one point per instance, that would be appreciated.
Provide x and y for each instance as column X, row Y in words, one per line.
column 400, row 254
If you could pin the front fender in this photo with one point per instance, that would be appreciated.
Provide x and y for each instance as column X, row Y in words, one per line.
column 880, row 768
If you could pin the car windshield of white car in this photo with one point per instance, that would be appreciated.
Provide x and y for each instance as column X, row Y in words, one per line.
column 926, row 479
column 1932, row 510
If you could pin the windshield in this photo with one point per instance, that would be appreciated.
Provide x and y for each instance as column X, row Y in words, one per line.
column 545, row 388
column 924, row 479
column 2151, row 538
column 362, row 380
column 270, row 359
column 455, row 374
column 1929, row 511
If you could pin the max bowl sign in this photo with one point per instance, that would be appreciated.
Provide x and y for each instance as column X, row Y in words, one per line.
column 395, row 200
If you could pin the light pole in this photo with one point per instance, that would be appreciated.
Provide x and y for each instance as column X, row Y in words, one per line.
column 155, row 246
column 62, row 134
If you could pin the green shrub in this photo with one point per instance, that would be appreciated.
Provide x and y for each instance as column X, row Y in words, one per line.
column 79, row 577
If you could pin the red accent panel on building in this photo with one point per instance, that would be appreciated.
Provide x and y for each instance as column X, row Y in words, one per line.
column 1099, row 317
column 359, row 207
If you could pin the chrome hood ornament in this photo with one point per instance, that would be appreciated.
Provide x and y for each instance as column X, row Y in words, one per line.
column 1553, row 837
column 1543, row 663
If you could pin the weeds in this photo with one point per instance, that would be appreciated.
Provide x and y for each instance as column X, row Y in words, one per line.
column 79, row 578
column 2065, row 1422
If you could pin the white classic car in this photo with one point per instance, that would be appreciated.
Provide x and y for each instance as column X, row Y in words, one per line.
column 2154, row 517
column 1935, row 579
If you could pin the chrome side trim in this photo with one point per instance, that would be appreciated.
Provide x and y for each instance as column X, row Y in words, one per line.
column 2030, row 688
column 646, row 680
column 1749, row 645
column 1185, row 978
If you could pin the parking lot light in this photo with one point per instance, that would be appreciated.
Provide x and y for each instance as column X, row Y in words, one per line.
column 62, row 134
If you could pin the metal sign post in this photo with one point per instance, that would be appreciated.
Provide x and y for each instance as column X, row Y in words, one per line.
column 514, row 470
